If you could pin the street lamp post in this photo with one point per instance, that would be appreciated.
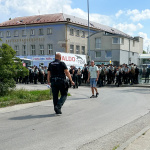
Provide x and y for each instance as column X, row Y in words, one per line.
column 89, row 54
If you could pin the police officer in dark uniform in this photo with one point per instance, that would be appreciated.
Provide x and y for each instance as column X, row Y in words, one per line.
column 71, row 73
column 57, row 72
column 75, row 77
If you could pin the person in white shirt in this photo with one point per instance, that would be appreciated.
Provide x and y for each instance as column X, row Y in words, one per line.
column 93, row 76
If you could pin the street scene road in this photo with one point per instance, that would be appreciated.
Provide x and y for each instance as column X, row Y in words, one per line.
column 86, row 124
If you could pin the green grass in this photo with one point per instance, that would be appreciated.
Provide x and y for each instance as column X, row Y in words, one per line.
column 15, row 97
column 115, row 147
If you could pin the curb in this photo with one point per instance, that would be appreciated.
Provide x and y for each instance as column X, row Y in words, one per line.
column 132, row 139
column 144, row 86
column 24, row 106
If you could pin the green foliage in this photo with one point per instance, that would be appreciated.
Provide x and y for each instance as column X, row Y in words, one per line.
column 14, row 97
column 144, row 52
column 10, row 68
column 115, row 147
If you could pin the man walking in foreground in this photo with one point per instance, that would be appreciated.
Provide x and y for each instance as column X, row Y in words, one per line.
column 57, row 72
column 93, row 76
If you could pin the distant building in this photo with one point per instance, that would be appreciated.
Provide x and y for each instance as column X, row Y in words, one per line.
column 43, row 35
column 115, row 48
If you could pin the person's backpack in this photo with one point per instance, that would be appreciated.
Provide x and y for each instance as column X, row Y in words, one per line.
column 102, row 72
column 132, row 70
column 136, row 70
column 85, row 71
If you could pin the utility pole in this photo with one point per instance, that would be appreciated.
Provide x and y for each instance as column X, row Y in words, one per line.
column 89, row 54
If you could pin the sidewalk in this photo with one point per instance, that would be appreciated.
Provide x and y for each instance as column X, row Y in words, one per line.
column 146, row 85
column 141, row 143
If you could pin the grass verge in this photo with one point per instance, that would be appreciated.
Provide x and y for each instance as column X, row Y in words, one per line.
column 15, row 97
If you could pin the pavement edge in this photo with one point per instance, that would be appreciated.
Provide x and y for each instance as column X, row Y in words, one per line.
column 132, row 139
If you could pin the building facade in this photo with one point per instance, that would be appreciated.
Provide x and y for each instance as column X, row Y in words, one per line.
column 29, row 36
column 44, row 35
column 118, row 49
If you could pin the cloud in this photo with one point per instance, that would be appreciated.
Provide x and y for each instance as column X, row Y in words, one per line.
column 128, row 28
column 119, row 13
column 136, row 15
column 17, row 8
column 103, row 19
column 146, row 42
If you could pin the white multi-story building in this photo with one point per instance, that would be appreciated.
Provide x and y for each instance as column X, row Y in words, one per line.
column 43, row 35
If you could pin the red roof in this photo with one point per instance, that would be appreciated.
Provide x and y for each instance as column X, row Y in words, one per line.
column 49, row 18
column 60, row 17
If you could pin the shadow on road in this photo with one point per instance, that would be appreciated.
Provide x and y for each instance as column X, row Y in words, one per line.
column 78, row 98
column 33, row 117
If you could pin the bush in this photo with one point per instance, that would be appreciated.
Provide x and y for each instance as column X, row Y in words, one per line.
column 10, row 68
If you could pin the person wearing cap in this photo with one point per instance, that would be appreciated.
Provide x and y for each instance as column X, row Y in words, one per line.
column 93, row 76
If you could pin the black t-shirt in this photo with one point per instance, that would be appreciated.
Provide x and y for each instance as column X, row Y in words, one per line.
column 57, row 68
column 75, row 71
column 71, row 71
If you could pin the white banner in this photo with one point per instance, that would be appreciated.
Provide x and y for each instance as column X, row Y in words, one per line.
column 76, row 60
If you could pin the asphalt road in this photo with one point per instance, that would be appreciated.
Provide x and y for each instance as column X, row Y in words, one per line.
column 98, row 123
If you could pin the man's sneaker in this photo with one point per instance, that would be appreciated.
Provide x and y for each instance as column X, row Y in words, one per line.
column 57, row 110
column 92, row 96
column 97, row 94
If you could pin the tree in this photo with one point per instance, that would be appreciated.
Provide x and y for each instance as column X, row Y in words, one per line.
column 10, row 68
column 144, row 52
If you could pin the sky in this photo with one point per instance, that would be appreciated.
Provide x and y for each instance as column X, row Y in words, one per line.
column 129, row 16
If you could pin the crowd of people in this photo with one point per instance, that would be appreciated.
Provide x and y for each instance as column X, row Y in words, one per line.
column 35, row 75
column 127, row 74
column 109, row 74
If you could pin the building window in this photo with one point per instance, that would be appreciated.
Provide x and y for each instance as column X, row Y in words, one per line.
column 41, row 32
column 42, row 49
column 33, row 50
column 77, row 32
column 49, row 31
column 83, row 34
column 8, row 34
column 98, row 43
column 17, row 49
column 77, row 49
column 132, row 53
column 1, row 34
column 83, row 50
column 97, row 54
column 50, row 49
column 108, row 54
column 71, row 31
column 32, row 32
column 24, row 49
column 116, row 40
column 16, row 33
column 71, row 48
column 23, row 33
